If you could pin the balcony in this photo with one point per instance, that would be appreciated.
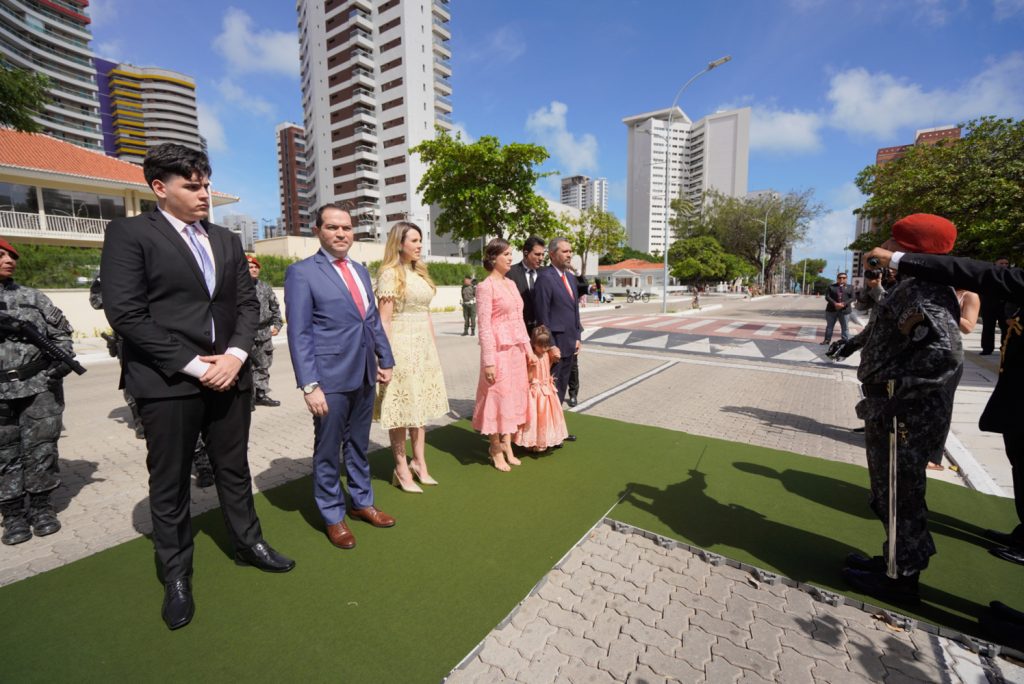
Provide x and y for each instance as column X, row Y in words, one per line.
column 44, row 228
column 441, row 28
column 440, row 10
column 441, row 49
column 442, row 103
column 443, row 85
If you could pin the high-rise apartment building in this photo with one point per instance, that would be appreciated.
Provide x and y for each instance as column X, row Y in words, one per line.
column 141, row 107
column 244, row 226
column 884, row 155
column 294, row 179
column 583, row 192
column 712, row 153
column 374, row 83
column 52, row 37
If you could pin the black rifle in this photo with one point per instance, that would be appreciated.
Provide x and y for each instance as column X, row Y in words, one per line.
column 15, row 327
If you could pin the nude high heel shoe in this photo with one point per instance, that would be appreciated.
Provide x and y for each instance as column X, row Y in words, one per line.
column 429, row 481
column 411, row 488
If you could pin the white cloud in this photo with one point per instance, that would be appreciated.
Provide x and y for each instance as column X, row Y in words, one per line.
column 458, row 127
column 248, row 49
column 777, row 130
column 498, row 47
column 110, row 50
column 100, row 12
column 236, row 95
column 576, row 154
column 935, row 12
column 211, row 128
column 1004, row 9
column 880, row 104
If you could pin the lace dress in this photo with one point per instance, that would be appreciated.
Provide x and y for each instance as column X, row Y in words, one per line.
column 501, row 408
column 416, row 392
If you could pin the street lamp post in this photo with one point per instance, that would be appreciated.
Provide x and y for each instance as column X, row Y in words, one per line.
column 668, row 160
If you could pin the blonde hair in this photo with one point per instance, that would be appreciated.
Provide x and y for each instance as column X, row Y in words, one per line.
column 393, row 258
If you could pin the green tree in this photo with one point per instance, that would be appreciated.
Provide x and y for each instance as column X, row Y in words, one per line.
column 738, row 223
column 623, row 252
column 683, row 221
column 700, row 260
column 594, row 231
column 485, row 188
column 814, row 267
column 977, row 182
column 22, row 95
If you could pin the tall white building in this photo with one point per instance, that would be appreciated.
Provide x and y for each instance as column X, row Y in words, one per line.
column 244, row 226
column 52, row 38
column 374, row 83
column 582, row 192
column 712, row 153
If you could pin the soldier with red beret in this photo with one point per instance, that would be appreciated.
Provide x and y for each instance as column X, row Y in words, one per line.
column 910, row 366
column 263, row 347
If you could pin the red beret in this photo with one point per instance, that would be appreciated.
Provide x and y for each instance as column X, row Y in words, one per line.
column 252, row 260
column 925, row 234
column 4, row 244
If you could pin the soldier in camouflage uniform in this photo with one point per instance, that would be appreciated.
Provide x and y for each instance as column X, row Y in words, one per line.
column 200, row 459
column 914, row 340
column 468, row 307
column 31, row 406
column 263, row 347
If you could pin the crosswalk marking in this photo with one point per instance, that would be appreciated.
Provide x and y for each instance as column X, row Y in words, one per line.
column 695, row 324
column 618, row 338
column 702, row 346
column 662, row 323
column 767, row 330
column 587, row 333
column 658, row 342
column 797, row 354
column 749, row 349
column 731, row 326
column 807, row 332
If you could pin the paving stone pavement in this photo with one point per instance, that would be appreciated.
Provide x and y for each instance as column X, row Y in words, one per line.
column 621, row 607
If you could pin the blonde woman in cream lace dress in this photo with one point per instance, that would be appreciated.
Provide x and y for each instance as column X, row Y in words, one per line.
column 416, row 392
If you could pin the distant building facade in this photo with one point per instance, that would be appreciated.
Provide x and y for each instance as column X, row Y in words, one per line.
column 51, row 37
column 141, row 107
column 244, row 226
column 295, row 183
column 582, row 192
column 375, row 82
column 712, row 153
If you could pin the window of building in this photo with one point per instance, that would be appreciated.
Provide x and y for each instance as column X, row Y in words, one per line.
column 391, row 24
column 17, row 197
column 391, row 199
column 394, row 141
column 394, row 122
column 394, row 160
column 82, row 204
column 394, row 179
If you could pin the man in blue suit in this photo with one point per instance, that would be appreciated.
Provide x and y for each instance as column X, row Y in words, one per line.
column 339, row 352
column 555, row 306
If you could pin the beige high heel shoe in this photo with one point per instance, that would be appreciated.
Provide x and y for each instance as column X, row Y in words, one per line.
column 411, row 488
column 429, row 481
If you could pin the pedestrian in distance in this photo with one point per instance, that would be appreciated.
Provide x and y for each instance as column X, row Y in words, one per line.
column 31, row 406
column 416, row 393
column 340, row 353
column 838, row 300
column 177, row 289
column 468, row 297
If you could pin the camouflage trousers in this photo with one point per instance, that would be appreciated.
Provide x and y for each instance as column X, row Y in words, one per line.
column 468, row 318
column 920, row 436
column 262, row 356
column 29, row 430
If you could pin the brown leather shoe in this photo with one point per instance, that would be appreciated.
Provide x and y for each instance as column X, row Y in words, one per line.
column 373, row 516
column 341, row 536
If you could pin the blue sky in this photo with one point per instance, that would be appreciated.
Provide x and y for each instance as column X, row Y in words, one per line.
column 828, row 81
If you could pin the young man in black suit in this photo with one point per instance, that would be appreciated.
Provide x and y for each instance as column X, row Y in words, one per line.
column 177, row 289
column 524, row 275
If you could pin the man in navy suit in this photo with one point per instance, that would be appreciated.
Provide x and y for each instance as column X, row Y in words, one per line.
column 339, row 352
column 555, row 306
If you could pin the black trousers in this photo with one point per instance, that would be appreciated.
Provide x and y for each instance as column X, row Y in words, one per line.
column 988, row 331
column 574, row 377
column 172, row 427
column 1014, row 443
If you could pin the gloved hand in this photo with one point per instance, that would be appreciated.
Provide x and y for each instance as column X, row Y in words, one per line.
column 836, row 350
column 58, row 370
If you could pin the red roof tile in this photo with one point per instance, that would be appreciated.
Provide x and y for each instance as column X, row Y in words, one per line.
column 41, row 152
column 632, row 265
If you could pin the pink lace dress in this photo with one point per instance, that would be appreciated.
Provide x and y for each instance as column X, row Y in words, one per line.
column 545, row 422
column 501, row 408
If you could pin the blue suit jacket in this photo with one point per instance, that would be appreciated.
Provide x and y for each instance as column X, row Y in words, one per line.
column 328, row 340
column 555, row 308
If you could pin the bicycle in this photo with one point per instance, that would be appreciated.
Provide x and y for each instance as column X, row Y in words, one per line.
column 637, row 296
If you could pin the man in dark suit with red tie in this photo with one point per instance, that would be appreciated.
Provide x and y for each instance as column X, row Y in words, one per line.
column 339, row 352
column 177, row 289
column 555, row 306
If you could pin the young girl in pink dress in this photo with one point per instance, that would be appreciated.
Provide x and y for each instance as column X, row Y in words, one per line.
column 545, row 424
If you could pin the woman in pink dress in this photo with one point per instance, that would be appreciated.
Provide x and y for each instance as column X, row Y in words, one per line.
column 545, row 422
column 503, row 389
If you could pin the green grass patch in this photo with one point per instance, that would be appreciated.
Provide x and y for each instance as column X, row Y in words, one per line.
column 409, row 602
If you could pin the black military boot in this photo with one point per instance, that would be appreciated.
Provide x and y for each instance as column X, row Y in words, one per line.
column 41, row 515
column 263, row 400
column 903, row 589
column 15, row 522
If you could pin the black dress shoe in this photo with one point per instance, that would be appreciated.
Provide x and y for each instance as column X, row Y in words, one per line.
column 571, row 401
column 859, row 561
column 204, row 479
column 261, row 555
column 264, row 400
column 570, row 438
column 1014, row 554
column 984, row 353
column 1004, row 538
column 903, row 589
column 178, row 604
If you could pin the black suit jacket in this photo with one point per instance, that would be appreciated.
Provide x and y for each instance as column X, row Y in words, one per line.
column 1006, row 405
column 832, row 296
column 155, row 297
column 518, row 275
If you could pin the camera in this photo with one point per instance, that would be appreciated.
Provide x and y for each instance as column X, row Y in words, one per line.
column 872, row 274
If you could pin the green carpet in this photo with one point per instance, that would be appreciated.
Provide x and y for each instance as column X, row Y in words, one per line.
column 409, row 602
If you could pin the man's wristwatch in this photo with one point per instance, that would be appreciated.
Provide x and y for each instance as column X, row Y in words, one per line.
column 307, row 389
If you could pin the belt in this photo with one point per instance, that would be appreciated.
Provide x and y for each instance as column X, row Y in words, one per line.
column 24, row 372
column 876, row 389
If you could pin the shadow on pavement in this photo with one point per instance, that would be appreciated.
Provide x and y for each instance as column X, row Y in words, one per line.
column 801, row 423
column 74, row 475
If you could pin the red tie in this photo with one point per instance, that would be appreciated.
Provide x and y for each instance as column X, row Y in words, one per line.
column 567, row 288
column 353, row 289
